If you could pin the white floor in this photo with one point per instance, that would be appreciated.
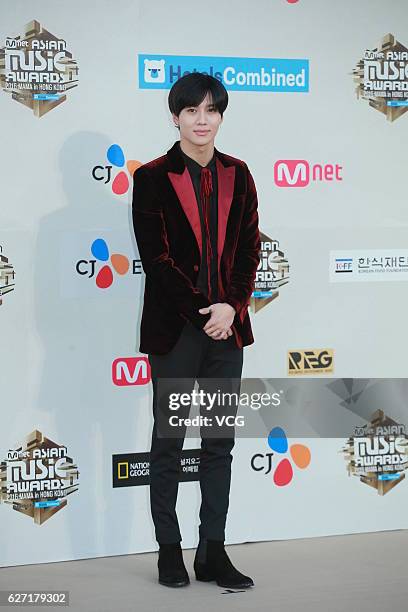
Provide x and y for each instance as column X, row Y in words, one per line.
column 365, row 572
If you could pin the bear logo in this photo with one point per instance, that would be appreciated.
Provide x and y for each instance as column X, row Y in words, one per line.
column 154, row 71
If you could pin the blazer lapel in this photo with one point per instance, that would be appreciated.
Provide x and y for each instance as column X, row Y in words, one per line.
column 226, row 178
column 183, row 186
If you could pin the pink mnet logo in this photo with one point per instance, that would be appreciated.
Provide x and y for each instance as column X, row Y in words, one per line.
column 128, row 371
column 299, row 173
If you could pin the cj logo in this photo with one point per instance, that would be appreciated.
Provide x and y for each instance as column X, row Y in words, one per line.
column 116, row 158
column 127, row 371
column 283, row 473
column 299, row 173
column 115, row 263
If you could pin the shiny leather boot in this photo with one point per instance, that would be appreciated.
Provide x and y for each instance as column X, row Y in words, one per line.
column 212, row 563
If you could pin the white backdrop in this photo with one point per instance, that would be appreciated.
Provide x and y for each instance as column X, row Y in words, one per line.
column 60, row 333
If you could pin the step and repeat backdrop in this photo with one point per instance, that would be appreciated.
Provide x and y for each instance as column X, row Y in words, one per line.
column 318, row 100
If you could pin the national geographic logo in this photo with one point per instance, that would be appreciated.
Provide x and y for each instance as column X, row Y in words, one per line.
column 312, row 361
column 133, row 469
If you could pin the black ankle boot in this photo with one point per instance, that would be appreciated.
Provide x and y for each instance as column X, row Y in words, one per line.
column 212, row 563
column 172, row 571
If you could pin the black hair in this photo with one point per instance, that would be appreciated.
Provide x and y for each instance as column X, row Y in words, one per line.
column 191, row 89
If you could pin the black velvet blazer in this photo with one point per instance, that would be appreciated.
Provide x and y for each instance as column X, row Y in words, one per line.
column 168, row 234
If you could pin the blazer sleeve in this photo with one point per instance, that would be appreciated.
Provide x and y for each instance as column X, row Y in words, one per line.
column 151, row 237
column 247, row 255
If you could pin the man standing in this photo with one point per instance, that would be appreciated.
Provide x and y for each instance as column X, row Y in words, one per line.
column 196, row 225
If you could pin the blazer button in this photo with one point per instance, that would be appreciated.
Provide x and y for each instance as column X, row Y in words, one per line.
column 195, row 268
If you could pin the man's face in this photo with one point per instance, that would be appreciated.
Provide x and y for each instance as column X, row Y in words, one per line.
column 199, row 124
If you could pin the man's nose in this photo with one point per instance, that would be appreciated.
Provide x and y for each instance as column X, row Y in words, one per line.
column 201, row 117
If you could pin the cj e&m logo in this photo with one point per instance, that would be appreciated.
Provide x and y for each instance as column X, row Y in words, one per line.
column 311, row 361
column 117, row 171
column 131, row 371
column 283, row 473
column 115, row 263
column 300, row 173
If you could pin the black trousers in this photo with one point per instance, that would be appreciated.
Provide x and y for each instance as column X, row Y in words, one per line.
column 195, row 356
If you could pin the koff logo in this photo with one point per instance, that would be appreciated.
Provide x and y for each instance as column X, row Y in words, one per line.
column 128, row 371
column 299, row 173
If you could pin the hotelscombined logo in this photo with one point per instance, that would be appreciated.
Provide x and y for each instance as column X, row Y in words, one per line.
column 377, row 453
column 117, row 263
column 381, row 78
column 133, row 469
column 7, row 276
column 283, row 472
column 37, row 477
column 271, row 275
column 116, row 158
column 312, row 361
column 300, row 173
column 236, row 73
column 37, row 69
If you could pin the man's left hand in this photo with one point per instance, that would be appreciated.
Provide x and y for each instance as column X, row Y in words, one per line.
column 222, row 317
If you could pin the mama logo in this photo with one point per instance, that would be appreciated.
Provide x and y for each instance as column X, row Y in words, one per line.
column 37, row 69
column 7, row 275
column 377, row 453
column 38, row 477
column 116, row 158
column 283, row 473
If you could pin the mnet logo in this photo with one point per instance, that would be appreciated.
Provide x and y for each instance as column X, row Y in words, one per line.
column 15, row 455
column 313, row 361
column 299, row 173
column 130, row 371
